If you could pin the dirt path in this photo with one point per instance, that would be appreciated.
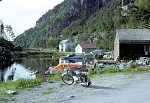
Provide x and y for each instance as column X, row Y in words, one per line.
column 109, row 88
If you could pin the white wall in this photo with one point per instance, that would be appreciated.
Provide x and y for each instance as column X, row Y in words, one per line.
column 78, row 49
column 63, row 47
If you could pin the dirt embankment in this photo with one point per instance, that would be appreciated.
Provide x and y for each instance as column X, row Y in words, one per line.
column 109, row 88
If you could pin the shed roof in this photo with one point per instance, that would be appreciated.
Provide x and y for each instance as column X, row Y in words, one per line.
column 85, row 46
column 134, row 35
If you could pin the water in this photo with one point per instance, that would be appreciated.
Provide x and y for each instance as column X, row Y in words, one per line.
column 24, row 67
column 18, row 71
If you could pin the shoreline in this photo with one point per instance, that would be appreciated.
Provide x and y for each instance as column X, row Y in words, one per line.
column 103, row 86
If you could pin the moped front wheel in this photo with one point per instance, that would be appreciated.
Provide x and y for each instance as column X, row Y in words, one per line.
column 67, row 79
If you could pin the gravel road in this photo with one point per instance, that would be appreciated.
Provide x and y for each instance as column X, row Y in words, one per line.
column 108, row 88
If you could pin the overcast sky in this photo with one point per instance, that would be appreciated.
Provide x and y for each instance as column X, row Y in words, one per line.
column 23, row 14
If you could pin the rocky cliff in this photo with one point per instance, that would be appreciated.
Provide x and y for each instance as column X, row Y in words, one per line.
column 57, row 19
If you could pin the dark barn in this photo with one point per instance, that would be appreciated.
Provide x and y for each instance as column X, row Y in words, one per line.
column 131, row 44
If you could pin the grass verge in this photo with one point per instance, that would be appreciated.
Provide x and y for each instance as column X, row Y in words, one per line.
column 132, row 68
column 48, row 91
column 26, row 84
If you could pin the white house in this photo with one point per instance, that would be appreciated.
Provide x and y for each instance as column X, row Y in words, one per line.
column 85, row 48
column 64, row 44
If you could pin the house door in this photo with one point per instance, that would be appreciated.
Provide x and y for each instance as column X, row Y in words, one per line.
column 147, row 49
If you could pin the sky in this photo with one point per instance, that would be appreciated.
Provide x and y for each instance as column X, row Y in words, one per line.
column 23, row 14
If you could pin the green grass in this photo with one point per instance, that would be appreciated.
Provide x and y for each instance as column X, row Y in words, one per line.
column 4, row 99
column 12, row 99
column 26, row 84
column 132, row 68
column 48, row 91
column 61, row 85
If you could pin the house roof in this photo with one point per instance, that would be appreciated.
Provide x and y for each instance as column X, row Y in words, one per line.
column 134, row 35
column 85, row 46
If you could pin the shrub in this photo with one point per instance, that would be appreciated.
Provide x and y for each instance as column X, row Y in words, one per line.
column 92, row 72
column 57, row 77
column 110, row 70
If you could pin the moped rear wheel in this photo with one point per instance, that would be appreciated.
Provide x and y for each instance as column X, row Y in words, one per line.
column 67, row 79
column 85, row 80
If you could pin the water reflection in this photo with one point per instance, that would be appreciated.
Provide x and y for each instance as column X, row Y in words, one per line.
column 17, row 71
column 25, row 67
column 41, row 64
column 14, row 72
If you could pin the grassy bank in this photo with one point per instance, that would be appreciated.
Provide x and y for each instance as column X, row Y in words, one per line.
column 30, row 83
column 26, row 84
column 23, row 84
column 40, row 52
column 132, row 68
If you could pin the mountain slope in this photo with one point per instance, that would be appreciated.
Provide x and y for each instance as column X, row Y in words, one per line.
column 86, row 21
column 57, row 19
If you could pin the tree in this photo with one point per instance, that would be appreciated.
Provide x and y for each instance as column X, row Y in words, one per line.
column 144, row 4
column 10, row 32
column 68, row 49
column 51, row 42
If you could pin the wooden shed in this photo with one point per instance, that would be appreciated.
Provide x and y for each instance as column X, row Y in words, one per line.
column 131, row 44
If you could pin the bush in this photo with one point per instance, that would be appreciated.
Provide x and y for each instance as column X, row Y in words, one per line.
column 131, row 68
column 57, row 77
column 92, row 72
column 110, row 70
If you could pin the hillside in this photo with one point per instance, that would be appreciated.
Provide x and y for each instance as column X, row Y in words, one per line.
column 6, row 44
column 84, row 21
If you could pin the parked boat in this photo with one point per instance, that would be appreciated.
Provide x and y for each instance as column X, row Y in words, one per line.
column 60, row 67
column 74, row 56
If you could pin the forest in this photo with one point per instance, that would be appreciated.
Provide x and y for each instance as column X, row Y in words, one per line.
column 90, row 22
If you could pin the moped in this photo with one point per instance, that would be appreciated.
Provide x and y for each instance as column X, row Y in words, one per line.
column 70, row 76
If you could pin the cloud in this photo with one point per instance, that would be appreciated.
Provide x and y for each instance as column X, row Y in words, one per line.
column 23, row 14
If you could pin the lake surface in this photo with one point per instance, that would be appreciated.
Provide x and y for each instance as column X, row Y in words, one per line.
column 24, row 67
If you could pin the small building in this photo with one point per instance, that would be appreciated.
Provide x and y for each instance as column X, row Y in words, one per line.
column 85, row 48
column 131, row 44
column 64, row 44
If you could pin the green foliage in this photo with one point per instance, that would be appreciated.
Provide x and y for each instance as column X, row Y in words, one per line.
column 133, row 68
column 12, row 99
column 72, row 21
column 48, row 91
column 57, row 77
column 27, row 84
column 51, row 42
column 110, row 70
column 4, row 99
column 23, row 83
column 6, row 43
column 143, row 4
column 68, row 49
column 92, row 72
